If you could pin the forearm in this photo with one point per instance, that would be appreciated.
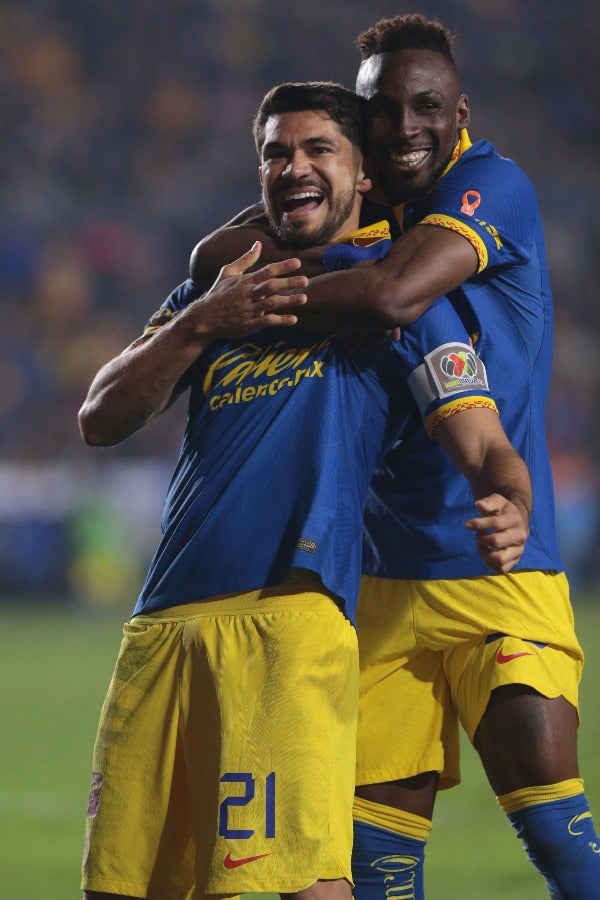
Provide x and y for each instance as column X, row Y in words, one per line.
column 134, row 387
column 500, row 483
column 478, row 446
column 503, row 500
column 139, row 383
column 502, row 471
column 424, row 264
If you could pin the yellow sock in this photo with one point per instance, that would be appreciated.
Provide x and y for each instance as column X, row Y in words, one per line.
column 398, row 820
column 530, row 796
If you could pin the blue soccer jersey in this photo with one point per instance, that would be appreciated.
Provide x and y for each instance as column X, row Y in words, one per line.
column 418, row 503
column 284, row 432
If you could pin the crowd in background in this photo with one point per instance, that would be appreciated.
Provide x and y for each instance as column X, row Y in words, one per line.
column 126, row 138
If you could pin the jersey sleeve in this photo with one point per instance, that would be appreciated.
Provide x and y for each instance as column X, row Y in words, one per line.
column 177, row 300
column 444, row 373
column 490, row 201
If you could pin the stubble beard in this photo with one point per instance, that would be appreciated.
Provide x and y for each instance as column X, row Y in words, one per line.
column 301, row 238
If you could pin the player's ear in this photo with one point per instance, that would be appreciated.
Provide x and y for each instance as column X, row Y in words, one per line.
column 363, row 182
column 369, row 166
column 463, row 113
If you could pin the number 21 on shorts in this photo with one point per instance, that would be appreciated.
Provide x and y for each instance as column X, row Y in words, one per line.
column 254, row 815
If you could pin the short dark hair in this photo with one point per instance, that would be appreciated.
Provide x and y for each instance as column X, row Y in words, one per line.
column 341, row 104
column 408, row 32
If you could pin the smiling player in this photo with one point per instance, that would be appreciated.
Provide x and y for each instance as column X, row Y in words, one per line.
column 225, row 757
column 499, row 652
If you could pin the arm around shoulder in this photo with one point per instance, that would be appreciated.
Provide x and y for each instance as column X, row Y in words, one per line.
column 425, row 263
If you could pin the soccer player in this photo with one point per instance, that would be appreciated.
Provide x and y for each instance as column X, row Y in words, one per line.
column 225, row 757
column 441, row 638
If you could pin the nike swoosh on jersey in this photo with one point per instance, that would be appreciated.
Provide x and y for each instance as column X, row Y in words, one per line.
column 575, row 821
column 502, row 658
column 230, row 863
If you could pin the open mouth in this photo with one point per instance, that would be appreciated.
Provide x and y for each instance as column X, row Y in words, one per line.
column 301, row 201
column 410, row 160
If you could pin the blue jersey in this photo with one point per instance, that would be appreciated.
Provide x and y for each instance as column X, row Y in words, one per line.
column 284, row 432
column 418, row 503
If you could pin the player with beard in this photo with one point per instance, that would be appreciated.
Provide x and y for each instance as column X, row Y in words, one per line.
column 225, row 757
column 442, row 639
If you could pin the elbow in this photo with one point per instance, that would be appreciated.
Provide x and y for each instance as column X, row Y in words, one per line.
column 397, row 308
column 91, row 430
column 401, row 314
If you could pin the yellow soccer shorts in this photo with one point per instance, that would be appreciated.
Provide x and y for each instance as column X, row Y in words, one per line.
column 225, row 757
column 431, row 653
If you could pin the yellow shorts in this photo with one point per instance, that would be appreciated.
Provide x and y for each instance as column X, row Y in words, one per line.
column 431, row 653
column 225, row 757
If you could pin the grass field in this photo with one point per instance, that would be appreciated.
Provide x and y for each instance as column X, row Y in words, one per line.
column 55, row 668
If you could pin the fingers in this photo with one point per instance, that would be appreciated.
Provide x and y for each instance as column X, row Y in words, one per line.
column 501, row 534
column 492, row 504
column 277, row 269
column 278, row 320
column 250, row 258
column 497, row 514
column 244, row 262
column 242, row 302
column 280, row 287
column 270, row 311
column 501, row 561
column 501, row 551
column 272, row 298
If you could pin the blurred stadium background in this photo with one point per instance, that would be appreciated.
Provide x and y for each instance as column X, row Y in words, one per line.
column 125, row 138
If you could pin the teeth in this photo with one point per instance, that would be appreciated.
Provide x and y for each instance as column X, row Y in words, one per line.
column 304, row 195
column 409, row 159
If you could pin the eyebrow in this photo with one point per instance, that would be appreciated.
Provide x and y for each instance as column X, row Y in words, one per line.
column 308, row 142
column 426, row 94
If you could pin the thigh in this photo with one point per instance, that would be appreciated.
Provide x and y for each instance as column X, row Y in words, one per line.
column 407, row 725
column 415, row 795
column 525, row 739
column 139, row 780
column 285, row 669
column 525, row 637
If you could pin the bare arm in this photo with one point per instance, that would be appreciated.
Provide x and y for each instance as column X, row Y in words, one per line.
column 137, row 385
column 423, row 264
column 478, row 446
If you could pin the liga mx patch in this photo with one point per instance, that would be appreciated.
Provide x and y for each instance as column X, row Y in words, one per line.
column 454, row 368
column 448, row 370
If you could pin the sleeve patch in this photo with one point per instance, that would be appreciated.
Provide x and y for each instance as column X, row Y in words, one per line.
column 448, row 370
column 159, row 318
